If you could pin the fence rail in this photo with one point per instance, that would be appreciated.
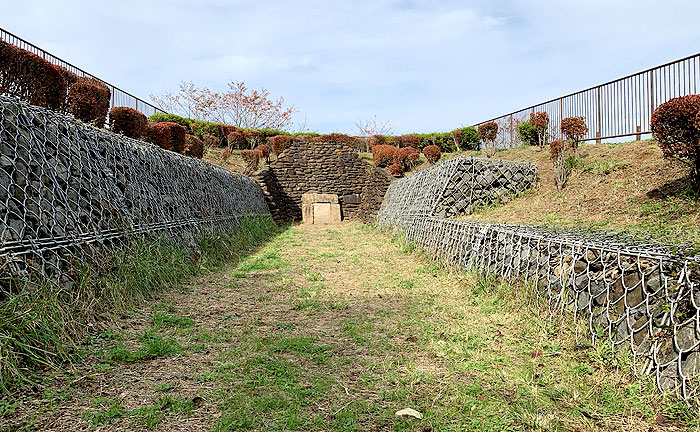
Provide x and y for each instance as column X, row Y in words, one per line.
column 618, row 108
column 119, row 97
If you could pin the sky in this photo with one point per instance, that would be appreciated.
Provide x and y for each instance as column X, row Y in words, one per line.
column 422, row 66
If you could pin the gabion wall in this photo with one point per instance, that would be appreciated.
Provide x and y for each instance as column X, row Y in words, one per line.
column 644, row 297
column 67, row 187
column 458, row 186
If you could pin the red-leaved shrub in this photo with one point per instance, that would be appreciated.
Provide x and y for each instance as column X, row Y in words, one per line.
column 210, row 140
column 540, row 120
column 69, row 78
column 264, row 152
column 383, row 155
column 158, row 134
column 194, row 146
column 488, row 131
column 335, row 137
column 251, row 159
column 408, row 140
column 127, row 121
column 404, row 160
column 254, row 137
column 30, row 77
column 279, row 143
column 432, row 153
column 676, row 126
column 376, row 140
column 574, row 128
column 88, row 101
column 225, row 130
column 167, row 135
column 236, row 139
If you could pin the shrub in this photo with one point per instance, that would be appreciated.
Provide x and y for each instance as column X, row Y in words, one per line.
column 468, row 138
column 70, row 78
column 540, row 121
column 432, row 153
column 676, row 126
column 166, row 135
column 88, row 101
column 254, row 137
column 488, row 132
column 236, row 139
column 574, row 128
column 376, row 140
column 404, row 160
column 210, row 140
column 251, row 159
column 194, row 146
column 264, row 152
column 31, row 78
column 408, row 140
column 558, row 153
column 335, row 137
column 528, row 133
column 279, row 143
column 383, row 155
column 127, row 121
column 159, row 134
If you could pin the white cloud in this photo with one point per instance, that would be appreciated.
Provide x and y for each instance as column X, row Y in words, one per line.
column 423, row 65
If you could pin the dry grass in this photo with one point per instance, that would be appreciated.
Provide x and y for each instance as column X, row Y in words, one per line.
column 625, row 186
column 336, row 328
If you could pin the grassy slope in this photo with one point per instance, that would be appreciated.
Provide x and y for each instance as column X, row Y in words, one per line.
column 625, row 186
column 336, row 328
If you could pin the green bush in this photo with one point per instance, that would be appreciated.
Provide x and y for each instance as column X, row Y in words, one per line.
column 528, row 133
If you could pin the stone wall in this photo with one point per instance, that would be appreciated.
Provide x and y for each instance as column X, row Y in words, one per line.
column 642, row 297
column 66, row 186
column 327, row 168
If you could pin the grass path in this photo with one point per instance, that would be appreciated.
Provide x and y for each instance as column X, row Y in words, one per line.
column 337, row 328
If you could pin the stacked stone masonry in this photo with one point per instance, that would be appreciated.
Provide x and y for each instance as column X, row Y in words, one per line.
column 326, row 168
column 67, row 188
column 643, row 297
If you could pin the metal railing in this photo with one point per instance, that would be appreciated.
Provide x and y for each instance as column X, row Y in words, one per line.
column 119, row 97
column 618, row 108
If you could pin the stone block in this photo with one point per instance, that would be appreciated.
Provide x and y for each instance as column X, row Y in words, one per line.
column 351, row 199
column 322, row 213
column 307, row 213
column 335, row 213
column 312, row 197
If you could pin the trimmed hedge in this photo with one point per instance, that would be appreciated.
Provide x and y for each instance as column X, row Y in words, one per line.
column 127, row 121
column 432, row 153
column 194, row 146
column 676, row 126
column 264, row 151
column 383, row 155
column 166, row 135
column 528, row 133
column 88, row 101
column 405, row 158
column 31, row 78
column 236, row 139
column 252, row 160
column 279, row 143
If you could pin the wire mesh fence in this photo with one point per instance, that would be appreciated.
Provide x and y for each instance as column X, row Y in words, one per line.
column 640, row 296
column 69, row 190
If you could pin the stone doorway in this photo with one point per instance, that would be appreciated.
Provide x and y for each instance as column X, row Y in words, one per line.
column 319, row 208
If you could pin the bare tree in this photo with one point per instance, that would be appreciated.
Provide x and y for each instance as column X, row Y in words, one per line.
column 372, row 126
column 240, row 106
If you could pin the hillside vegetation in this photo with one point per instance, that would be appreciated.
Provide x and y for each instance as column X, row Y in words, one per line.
column 616, row 186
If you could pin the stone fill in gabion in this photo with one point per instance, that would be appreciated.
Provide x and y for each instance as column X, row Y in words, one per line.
column 458, row 186
column 643, row 297
column 67, row 188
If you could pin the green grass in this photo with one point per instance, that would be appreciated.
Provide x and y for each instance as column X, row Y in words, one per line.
column 42, row 327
